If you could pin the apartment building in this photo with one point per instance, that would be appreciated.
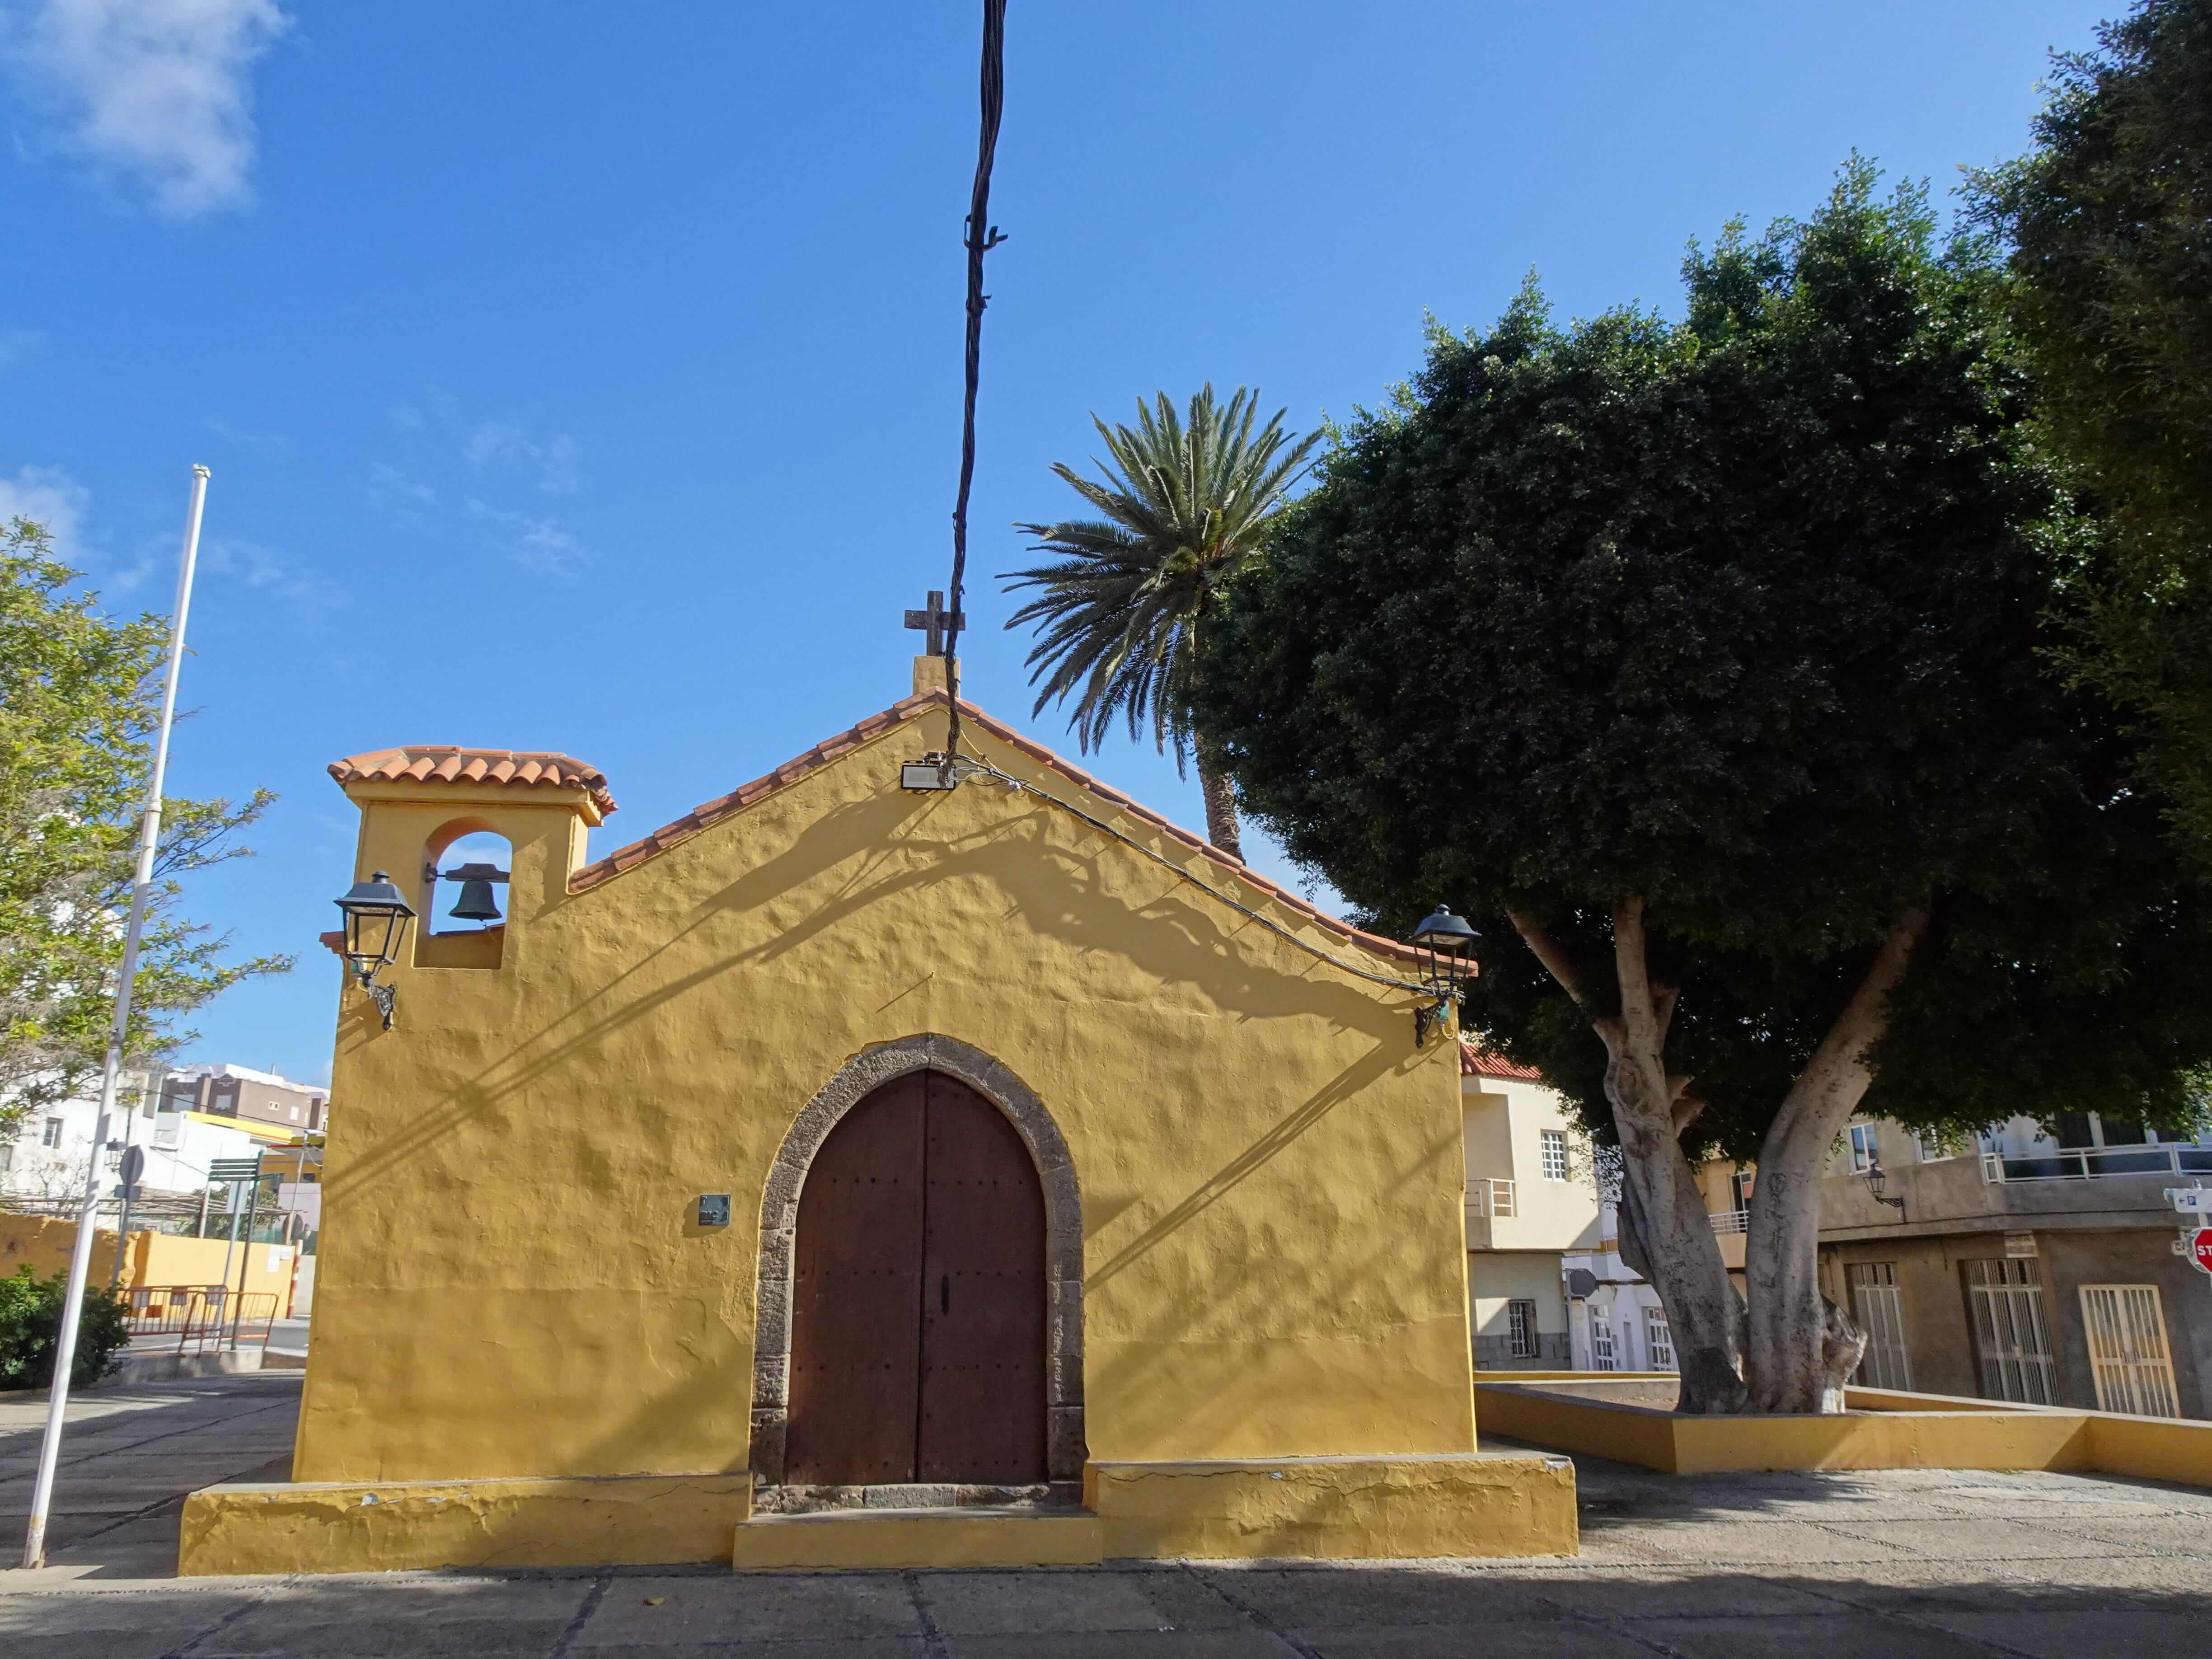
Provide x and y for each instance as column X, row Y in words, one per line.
column 1532, row 1201
column 2045, row 1267
column 238, row 1091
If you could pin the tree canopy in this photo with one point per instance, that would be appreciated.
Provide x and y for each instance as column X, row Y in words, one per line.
column 1710, row 657
column 2110, row 296
column 79, row 701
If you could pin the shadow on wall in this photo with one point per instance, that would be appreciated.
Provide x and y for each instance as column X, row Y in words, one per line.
column 1192, row 948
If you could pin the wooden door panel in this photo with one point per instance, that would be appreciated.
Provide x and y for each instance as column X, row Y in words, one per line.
column 856, row 1295
column 982, row 1386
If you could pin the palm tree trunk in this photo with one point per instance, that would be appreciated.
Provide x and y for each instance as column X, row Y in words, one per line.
column 1220, row 802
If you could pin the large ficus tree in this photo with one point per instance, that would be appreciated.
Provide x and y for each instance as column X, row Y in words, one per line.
column 1702, row 662
column 79, row 700
column 2108, row 222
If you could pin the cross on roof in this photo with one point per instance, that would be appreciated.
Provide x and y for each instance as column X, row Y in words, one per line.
column 935, row 619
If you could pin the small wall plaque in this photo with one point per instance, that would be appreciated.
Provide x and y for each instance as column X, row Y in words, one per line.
column 714, row 1209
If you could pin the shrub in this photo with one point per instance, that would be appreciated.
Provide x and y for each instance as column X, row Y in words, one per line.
column 30, row 1330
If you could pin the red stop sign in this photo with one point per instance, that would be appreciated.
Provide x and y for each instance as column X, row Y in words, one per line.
column 2200, row 1250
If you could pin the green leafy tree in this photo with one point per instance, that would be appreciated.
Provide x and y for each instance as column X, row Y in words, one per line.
column 79, row 701
column 1183, row 503
column 1704, row 664
column 2111, row 296
column 30, row 1330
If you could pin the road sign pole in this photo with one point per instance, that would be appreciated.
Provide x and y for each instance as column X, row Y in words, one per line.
column 141, row 891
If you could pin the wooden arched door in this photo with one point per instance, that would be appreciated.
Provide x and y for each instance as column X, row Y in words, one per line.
column 918, row 1296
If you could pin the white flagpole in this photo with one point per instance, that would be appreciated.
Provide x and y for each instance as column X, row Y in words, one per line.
column 149, row 835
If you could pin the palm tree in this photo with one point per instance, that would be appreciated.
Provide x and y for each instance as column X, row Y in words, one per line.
column 1184, row 503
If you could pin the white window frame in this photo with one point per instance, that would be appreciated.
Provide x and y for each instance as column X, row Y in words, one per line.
column 1878, row 1306
column 1602, row 1356
column 51, row 1135
column 1658, row 1341
column 1552, row 1153
column 1522, row 1339
column 2012, row 1340
column 1864, row 1147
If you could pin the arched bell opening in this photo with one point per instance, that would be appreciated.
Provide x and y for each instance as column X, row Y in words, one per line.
column 462, row 886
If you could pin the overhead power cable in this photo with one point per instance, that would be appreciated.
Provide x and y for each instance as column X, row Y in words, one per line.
column 981, row 236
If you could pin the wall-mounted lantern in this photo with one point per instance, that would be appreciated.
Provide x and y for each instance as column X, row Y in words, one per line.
column 376, row 918
column 1447, row 946
column 1875, row 1181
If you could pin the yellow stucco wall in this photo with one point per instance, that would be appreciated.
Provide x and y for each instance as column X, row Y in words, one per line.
column 46, row 1241
column 510, row 1282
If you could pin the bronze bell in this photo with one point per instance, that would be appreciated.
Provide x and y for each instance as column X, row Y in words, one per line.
column 477, row 902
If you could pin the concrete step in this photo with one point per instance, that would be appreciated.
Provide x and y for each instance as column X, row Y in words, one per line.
column 974, row 1537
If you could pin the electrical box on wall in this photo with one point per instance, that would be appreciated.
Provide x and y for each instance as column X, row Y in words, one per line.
column 714, row 1209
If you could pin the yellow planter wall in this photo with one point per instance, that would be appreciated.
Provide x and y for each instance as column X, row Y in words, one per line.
column 511, row 1282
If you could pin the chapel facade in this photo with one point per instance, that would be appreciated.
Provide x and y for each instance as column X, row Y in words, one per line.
column 856, row 1173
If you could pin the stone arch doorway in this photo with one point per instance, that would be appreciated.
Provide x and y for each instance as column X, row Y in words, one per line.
column 920, row 1281
column 917, row 1297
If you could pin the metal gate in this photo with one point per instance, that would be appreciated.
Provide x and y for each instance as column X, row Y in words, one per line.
column 918, row 1296
column 2005, row 1295
column 2126, row 1327
column 1879, row 1308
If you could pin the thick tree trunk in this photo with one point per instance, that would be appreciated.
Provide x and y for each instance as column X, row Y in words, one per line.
column 1801, row 1346
column 1705, row 1316
column 1220, row 802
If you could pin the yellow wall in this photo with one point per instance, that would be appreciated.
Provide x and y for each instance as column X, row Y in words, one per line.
column 46, row 1241
column 510, row 1282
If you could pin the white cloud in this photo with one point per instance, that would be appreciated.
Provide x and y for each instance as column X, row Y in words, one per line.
column 158, row 91
column 54, row 499
column 538, row 545
column 390, row 487
column 554, row 461
column 254, row 566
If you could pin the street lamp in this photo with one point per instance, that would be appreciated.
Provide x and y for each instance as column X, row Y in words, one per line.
column 1875, row 1181
column 1447, row 943
column 376, row 918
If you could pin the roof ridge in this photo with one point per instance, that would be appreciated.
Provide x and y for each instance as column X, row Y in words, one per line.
column 699, row 818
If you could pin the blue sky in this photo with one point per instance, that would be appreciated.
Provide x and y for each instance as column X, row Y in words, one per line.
column 587, row 377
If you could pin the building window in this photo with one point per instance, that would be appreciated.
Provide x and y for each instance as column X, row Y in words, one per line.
column 2126, row 1327
column 1521, row 1327
column 53, row 1133
column 2004, row 1295
column 1553, row 1145
column 1601, row 1341
column 1658, row 1341
column 1881, row 1312
column 1862, row 1150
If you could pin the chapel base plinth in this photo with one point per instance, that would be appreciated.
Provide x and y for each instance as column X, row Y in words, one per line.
column 1464, row 1504
column 973, row 1537
column 381, row 1527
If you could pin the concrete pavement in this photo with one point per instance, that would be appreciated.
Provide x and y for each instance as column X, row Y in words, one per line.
column 1903, row 1565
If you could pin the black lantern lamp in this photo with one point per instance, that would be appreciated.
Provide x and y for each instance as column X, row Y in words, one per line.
column 1875, row 1181
column 376, row 918
column 1447, row 945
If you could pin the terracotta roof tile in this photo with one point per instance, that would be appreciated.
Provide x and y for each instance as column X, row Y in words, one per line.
column 829, row 749
column 1477, row 1061
column 430, row 762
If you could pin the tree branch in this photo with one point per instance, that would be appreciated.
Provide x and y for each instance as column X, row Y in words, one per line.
column 1554, row 955
column 1835, row 1079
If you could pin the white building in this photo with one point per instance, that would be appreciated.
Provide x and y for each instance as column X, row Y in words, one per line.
column 1531, row 1206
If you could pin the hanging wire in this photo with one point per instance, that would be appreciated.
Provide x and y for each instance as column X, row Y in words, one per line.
column 981, row 236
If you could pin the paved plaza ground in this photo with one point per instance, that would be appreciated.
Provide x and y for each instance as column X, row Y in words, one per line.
column 1903, row 1565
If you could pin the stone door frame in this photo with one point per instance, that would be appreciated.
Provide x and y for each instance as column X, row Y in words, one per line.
column 868, row 1071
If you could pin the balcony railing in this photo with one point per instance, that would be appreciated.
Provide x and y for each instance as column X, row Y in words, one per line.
column 1491, row 1198
column 2092, row 1163
column 1731, row 1221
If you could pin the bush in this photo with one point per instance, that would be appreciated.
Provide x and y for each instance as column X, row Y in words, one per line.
column 30, row 1330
